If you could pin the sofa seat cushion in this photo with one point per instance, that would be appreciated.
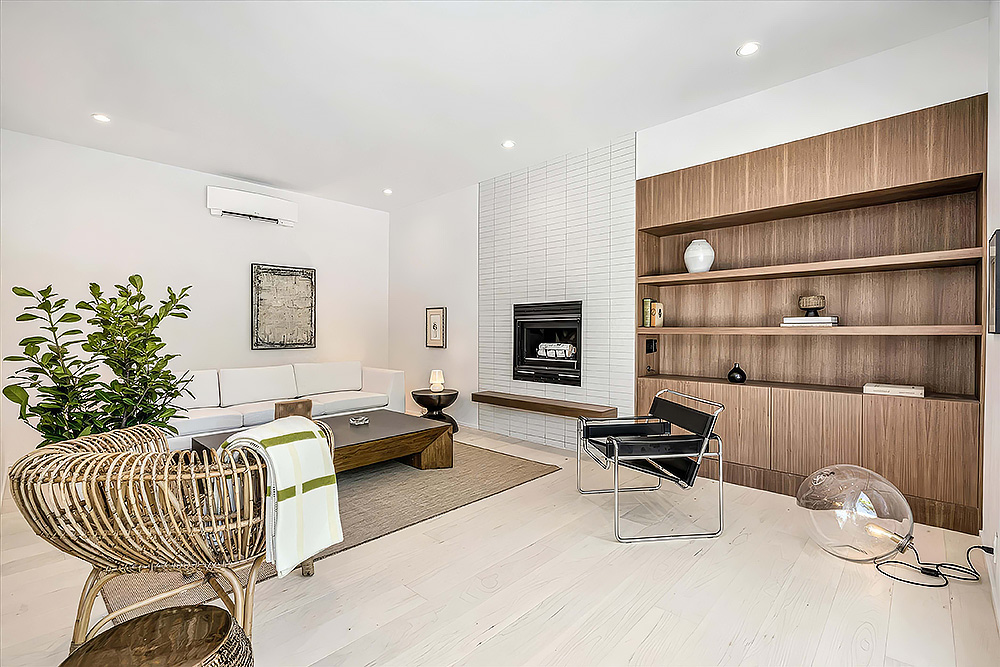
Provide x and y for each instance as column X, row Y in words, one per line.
column 344, row 401
column 253, row 414
column 238, row 386
column 206, row 420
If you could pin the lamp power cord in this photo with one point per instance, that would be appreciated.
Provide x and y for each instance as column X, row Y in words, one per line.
column 941, row 573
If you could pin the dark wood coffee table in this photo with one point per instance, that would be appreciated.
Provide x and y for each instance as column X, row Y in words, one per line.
column 421, row 443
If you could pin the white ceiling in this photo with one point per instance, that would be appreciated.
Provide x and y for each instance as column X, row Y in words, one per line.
column 341, row 100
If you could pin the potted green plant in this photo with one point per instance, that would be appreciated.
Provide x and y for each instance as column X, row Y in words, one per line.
column 63, row 395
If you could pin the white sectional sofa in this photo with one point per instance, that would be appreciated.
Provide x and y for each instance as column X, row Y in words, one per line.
column 233, row 398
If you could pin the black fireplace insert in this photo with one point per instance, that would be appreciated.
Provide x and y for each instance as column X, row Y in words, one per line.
column 547, row 342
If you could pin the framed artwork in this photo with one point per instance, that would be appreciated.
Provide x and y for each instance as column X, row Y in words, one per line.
column 282, row 307
column 437, row 327
column 993, row 317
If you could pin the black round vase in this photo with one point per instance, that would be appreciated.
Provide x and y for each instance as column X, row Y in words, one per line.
column 737, row 376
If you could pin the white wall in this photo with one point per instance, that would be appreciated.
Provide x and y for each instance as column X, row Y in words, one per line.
column 991, row 441
column 560, row 231
column 433, row 261
column 71, row 215
column 934, row 70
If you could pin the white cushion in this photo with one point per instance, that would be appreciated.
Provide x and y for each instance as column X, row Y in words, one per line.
column 326, row 377
column 253, row 414
column 206, row 420
column 248, row 385
column 205, row 387
column 345, row 401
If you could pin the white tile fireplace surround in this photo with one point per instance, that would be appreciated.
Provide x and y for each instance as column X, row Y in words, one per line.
column 561, row 231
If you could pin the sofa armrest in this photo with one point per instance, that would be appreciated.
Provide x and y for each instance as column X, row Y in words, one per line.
column 385, row 381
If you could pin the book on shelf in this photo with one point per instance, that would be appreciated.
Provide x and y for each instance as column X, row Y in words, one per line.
column 808, row 324
column 820, row 319
column 656, row 314
column 647, row 306
column 913, row 391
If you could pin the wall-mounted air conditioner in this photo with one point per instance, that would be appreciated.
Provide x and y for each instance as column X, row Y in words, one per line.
column 252, row 206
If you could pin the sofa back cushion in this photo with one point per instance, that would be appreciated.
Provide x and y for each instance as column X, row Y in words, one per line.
column 327, row 377
column 205, row 387
column 249, row 385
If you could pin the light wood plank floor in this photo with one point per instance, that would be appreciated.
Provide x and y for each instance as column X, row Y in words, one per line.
column 534, row 576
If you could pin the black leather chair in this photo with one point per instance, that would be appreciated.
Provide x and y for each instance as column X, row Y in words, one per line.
column 646, row 444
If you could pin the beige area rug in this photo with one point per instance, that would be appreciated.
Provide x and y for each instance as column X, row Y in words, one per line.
column 374, row 501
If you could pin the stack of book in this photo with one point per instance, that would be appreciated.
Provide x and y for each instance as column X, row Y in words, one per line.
column 913, row 391
column 652, row 313
column 814, row 321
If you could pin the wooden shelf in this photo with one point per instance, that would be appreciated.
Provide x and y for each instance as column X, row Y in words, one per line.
column 934, row 188
column 800, row 386
column 916, row 260
column 918, row 330
column 549, row 406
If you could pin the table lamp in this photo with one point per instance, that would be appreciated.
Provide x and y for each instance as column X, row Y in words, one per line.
column 437, row 380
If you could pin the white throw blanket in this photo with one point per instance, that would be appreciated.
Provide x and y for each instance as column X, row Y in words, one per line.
column 302, row 511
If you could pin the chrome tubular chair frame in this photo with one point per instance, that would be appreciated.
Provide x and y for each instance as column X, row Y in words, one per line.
column 583, row 446
column 614, row 462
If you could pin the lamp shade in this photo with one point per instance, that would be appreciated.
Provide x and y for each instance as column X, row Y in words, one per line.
column 855, row 513
column 437, row 380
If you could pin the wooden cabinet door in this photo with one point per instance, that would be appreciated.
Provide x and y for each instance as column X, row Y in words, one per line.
column 812, row 429
column 926, row 447
column 743, row 426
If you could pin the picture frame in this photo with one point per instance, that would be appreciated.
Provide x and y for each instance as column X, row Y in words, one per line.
column 436, row 327
column 993, row 285
column 282, row 307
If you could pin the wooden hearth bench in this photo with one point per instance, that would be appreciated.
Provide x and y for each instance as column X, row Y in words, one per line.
column 548, row 406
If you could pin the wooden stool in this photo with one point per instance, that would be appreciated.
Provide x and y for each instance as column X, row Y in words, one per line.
column 193, row 636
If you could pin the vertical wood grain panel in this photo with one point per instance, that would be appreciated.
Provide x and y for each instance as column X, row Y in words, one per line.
column 666, row 202
column 812, row 429
column 744, row 425
column 729, row 184
column 696, row 191
column 957, row 137
column 902, row 150
column 850, row 163
column 806, row 169
column 926, row 447
column 765, row 178
column 644, row 215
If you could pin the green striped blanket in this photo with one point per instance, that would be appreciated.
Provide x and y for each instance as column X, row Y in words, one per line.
column 302, row 510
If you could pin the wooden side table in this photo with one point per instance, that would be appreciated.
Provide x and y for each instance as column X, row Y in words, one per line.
column 435, row 402
column 190, row 636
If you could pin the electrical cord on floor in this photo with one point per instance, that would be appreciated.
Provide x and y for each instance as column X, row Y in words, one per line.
column 941, row 572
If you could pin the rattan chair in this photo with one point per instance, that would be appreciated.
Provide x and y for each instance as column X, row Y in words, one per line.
column 124, row 503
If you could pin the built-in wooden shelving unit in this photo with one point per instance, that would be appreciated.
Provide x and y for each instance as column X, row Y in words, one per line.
column 798, row 386
column 884, row 219
column 916, row 330
column 915, row 260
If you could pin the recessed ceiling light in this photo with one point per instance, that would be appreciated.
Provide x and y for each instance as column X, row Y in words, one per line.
column 748, row 49
column 508, row 144
column 387, row 192
column 100, row 118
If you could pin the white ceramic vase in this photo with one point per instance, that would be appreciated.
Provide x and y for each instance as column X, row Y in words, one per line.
column 699, row 256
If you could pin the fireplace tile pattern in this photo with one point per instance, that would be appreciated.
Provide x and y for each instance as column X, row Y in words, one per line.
column 560, row 231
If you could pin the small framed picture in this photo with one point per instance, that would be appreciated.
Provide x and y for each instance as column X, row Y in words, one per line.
column 437, row 327
column 993, row 278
